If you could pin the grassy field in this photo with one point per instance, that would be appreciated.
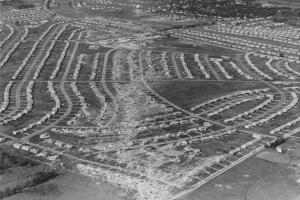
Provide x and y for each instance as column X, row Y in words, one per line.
column 189, row 47
column 254, row 179
column 222, row 145
column 290, row 157
column 190, row 93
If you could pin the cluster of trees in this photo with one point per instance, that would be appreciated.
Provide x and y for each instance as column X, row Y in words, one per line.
column 19, row 4
column 220, row 8
column 8, row 161
column 36, row 179
column 288, row 15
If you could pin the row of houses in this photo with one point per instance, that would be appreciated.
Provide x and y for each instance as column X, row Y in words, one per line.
column 244, row 146
column 262, row 105
column 9, row 35
column 283, row 110
column 287, row 35
column 33, row 49
column 285, row 126
column 28, row 108
column 229, row 96
column 292, row 53
column 255, row 68
column 13, row 48
column 35, row 151
column 234, row 103
column 5, row 101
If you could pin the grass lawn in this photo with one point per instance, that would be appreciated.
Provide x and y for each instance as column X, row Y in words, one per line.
column 189, row 93
column 254, row 179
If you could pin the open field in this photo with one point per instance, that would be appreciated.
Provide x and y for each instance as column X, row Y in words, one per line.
column 187, row 94
column 201, row 48
column 255, row 179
